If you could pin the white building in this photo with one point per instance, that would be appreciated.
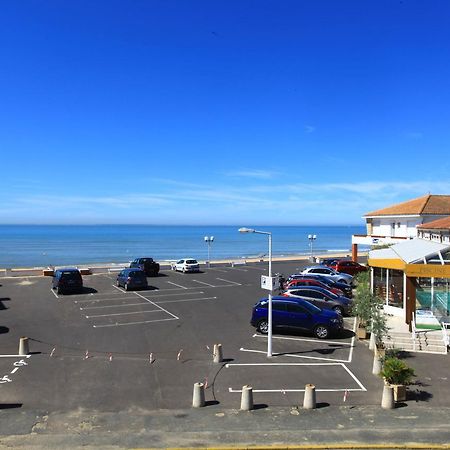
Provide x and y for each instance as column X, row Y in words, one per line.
column 399, row 222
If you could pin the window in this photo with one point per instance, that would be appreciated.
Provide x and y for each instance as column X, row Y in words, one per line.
column 279, row 306
column 295, row 308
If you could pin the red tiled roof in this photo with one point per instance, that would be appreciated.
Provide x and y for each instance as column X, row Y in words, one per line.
column 428, row 204
column 439, row 224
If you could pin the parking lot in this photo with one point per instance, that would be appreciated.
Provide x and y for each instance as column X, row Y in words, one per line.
column 108, row 349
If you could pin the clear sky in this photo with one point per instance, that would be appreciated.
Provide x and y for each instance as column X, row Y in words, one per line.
column 221, row 112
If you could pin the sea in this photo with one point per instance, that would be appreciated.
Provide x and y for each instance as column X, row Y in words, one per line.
column 56, row 245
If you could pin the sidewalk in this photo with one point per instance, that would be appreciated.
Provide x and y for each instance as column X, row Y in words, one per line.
column 407, row 426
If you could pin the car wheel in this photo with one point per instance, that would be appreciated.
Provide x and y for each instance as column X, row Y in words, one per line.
column 321, row 332
column 339, row 310
column 126, row 287
column 342, row 281
column 117, row 283
column 58, row 290
column 263, row 326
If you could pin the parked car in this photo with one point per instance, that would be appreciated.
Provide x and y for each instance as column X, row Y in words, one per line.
column 148, row 265
column 186, row 265
column 328, row 272
column 312, row 282
column 322, row 298
column 67, row 280
column 328, row 261
column 346, row 288
column 288, row 312
column 132, row 279
column 346, row 266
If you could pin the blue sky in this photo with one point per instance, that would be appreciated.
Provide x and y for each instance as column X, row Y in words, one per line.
column 221, row 112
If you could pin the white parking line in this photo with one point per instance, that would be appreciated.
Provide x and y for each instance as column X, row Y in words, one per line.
column 304, row 340
column 123, row 314
column 122, row 324
column 118, row 288
column 15, row 356
column 147, row 300
column 360, row 389
column 186, row 300
column 96, row 300
column 54, row 293
column 202, row 282
column 317, row 358
column 112, row 306
column 174, row 284
column 228, row 281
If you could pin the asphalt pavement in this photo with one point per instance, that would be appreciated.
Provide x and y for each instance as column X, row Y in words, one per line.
column 116, row 369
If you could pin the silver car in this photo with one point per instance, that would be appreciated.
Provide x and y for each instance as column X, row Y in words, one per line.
column 329, row 273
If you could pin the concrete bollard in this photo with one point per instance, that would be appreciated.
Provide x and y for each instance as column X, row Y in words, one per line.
column 247, row 398
column 372, row 342
column 198, row 398
column 218, row 358
column 23, row 346
column 376, row 368
column 309, row 401
column 387, row 401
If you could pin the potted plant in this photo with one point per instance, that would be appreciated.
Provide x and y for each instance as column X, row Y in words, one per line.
column 397, row 374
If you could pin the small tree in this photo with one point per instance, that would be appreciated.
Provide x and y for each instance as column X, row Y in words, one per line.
column 378, row 322
column 362, row 300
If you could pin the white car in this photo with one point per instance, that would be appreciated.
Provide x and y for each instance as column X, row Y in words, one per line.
column 186, row 265
column 329, row 273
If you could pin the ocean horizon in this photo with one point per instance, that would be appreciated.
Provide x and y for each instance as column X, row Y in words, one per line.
column 56, row 245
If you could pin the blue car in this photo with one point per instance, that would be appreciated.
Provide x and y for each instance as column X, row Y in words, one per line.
column 295, row 313
column 132, row 279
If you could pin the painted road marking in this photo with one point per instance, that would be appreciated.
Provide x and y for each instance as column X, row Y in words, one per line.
column 174, row 284
column 54, row 293
column 91, row 300
column 119, row 288
column 186, row 300
column 112, row 306
column 317, row 358
column 15, row 356
column 202, row 282
column 147, row 300
column 228, row 281
column 123, row 314
column 360, row 389
column 14, row 370
column 132, row 323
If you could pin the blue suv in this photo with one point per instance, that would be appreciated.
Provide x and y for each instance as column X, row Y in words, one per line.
column 288, row 312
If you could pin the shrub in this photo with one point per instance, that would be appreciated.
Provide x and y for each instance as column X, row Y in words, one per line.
column 396, row 371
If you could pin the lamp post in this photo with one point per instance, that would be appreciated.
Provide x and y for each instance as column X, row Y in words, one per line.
column 209, row 240
column 312, row 238
column 269, row 315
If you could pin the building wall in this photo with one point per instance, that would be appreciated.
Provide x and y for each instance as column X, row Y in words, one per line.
column 397, row 226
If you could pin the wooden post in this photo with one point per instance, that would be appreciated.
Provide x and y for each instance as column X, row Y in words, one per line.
column 355, row 252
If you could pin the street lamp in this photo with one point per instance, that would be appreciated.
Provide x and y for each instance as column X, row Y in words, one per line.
column 208, row 240
column 312, row 238
column 268, row 283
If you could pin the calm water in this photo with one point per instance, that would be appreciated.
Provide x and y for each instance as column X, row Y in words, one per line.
column 44, row 245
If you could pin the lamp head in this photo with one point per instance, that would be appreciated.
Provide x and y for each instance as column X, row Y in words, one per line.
column 246, row 230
